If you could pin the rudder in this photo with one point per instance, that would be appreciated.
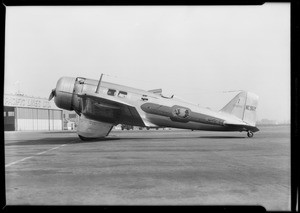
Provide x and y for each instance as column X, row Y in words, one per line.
column 250, row 109
column 243, row 106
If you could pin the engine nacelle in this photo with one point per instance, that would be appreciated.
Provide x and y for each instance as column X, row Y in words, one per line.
column 64, row 92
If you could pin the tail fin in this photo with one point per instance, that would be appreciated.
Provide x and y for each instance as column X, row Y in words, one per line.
column 243, row 106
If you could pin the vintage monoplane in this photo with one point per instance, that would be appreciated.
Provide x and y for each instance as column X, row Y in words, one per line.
column 102, row 105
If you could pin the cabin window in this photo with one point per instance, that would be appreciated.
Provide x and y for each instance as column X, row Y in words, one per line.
column 111, row 92
column 122, row 94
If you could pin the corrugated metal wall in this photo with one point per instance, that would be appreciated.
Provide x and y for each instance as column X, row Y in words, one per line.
column 38, row 119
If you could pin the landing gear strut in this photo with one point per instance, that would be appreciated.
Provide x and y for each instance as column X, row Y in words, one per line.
column 250, row 134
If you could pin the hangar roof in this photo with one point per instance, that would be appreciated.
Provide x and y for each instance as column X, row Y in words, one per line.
column 20, row 100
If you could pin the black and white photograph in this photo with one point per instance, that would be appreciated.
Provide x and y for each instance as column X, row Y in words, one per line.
column 148, row 105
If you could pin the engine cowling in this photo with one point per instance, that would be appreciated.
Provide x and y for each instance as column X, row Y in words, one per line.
column 64, row 93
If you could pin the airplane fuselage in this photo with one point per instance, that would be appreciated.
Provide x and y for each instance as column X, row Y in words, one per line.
column 102, row 105
column 154, row 110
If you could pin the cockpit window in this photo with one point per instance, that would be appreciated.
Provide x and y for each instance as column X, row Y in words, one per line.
column 111, row 92
column 122, row 94
column 80, row 80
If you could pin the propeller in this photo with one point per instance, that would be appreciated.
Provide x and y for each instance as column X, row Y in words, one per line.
column 52, row 94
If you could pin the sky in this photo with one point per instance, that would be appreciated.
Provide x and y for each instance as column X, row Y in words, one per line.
column 198, row 53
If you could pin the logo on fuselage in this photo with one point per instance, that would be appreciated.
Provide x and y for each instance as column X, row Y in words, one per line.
column 181, row 112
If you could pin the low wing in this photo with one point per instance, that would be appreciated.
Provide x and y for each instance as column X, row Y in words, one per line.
column 109, row 110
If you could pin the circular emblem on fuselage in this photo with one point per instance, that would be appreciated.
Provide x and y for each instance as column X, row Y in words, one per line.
column 181, row 112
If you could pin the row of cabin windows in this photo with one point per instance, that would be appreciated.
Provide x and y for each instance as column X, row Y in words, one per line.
column 112, row 92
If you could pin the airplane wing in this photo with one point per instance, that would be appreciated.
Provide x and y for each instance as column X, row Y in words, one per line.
column 110, row 110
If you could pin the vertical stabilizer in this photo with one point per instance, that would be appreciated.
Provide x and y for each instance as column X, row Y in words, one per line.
column 250, row 109
column 243, row 106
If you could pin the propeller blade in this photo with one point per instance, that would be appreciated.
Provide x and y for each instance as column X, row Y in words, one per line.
column 52, row 94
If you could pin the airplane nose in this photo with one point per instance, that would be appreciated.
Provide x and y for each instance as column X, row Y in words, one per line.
column 64, row 92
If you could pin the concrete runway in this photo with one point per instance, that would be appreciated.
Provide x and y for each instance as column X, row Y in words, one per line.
column 154, row 167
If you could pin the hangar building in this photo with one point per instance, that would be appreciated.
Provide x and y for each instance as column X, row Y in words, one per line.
column 30, row 113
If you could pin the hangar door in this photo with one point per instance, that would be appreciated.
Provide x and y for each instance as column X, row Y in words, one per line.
column 38, row 119
column 55, row 120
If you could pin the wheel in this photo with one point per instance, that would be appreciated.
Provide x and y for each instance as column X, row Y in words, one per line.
column 250, row 134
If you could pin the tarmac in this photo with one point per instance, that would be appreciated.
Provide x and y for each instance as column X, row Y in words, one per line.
column 150, row 167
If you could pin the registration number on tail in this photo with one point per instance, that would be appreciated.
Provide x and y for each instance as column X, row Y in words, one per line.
column 251, row 108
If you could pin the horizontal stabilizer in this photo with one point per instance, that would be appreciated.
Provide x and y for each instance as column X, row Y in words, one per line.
column 246, row 127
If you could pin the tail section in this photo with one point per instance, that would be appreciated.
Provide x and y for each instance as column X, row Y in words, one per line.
column 243, row 106
column 250, row 109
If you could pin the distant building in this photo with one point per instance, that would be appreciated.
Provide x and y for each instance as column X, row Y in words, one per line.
column 117, row 127
column 129, row 127
column 267, row 122
column 273, row 122
column 30, row 113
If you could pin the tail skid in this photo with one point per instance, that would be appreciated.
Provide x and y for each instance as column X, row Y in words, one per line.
column 243, row 106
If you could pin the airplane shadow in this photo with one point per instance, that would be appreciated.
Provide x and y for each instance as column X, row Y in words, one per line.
column 222, row 137
column 183, row 138
column 76, row 140
column 60, row 132
column 56, row 141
